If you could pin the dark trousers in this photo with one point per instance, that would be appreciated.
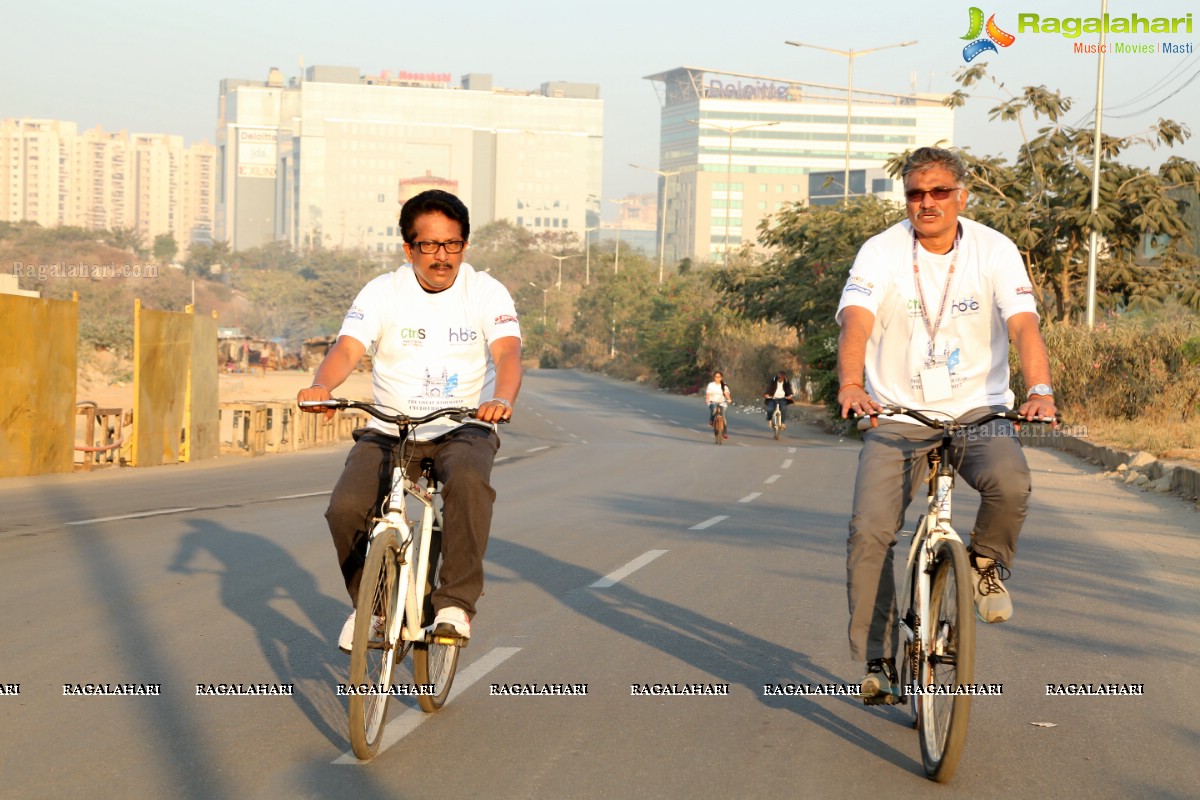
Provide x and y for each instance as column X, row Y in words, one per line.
column 772, row 402
column 463, row 462
column 891, row 468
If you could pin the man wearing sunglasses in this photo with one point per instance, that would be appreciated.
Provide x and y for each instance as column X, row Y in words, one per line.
column 440, row 334
column 926, row 317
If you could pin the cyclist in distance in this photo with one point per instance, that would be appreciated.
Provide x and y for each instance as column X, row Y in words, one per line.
column 441, row 334
column 926, row 316
column 778, row 394
column 716, row 394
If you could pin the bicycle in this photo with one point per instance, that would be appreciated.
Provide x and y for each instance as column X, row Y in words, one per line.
column 936, row 614
column 402, row 555
column 719, row 423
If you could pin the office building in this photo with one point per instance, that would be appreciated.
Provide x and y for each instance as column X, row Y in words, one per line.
column 737, row 147
column 327, row 160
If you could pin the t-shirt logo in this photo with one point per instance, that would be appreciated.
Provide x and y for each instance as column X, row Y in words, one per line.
column 462, row 336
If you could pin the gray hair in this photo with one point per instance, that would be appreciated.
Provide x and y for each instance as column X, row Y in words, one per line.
column 924, row 158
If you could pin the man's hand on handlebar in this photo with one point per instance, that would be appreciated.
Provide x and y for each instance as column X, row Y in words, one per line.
column 854, row 399
column 316, row 392
column 1040, row 405
column 494, row 411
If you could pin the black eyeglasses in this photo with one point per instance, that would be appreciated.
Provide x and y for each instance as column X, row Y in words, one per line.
column 938, row 193
column 453, row 247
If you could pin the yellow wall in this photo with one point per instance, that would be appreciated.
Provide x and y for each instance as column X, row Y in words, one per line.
column 204, row 408
column 38, row 342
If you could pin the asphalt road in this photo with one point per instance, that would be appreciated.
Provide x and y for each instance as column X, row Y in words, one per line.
column 628, row 550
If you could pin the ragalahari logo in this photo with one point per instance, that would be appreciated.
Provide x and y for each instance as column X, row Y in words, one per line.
column 994, row 37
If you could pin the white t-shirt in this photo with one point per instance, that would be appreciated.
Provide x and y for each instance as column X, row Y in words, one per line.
column 430, row 349
column 989, row 285
column 714, row 393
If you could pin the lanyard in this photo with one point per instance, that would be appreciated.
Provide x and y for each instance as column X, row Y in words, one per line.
column 932, row 328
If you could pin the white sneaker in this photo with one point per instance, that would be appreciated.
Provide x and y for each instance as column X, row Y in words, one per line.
column 454, row 618
column 992, row 602
column 346, row 637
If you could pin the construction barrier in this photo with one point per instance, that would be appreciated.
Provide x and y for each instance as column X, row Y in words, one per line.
column 175, row 387
column 37, row 385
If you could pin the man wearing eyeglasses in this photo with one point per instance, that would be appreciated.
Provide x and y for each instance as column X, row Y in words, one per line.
column 926, row 317
column 441, row 334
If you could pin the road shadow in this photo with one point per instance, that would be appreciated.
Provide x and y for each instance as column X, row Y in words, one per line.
column 257, row 578
column 728, row 654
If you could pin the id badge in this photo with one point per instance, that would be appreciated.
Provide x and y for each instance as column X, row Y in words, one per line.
column 935, row 383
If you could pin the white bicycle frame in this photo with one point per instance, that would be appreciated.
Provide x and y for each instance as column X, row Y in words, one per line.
column 411, row 538
column 920, row 562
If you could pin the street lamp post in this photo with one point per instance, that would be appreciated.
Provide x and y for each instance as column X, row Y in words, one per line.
column 617, row 252
column 544, row 293
column 730, row 130
column 662, row 214
column 561, row 259
column 587, row 255
column 849, row 54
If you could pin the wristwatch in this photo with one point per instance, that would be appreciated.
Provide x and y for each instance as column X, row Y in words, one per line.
column 1041, row 389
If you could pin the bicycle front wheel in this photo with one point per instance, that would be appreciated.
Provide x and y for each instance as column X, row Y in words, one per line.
column 777, row 423
column 719, row 427
column 373, row 655
column 949, row 664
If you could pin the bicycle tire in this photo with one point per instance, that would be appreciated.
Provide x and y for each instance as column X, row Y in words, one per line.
column 777, row 423
column 371, row 663
column 434, row 664
column 719, row 427
column 942, row 720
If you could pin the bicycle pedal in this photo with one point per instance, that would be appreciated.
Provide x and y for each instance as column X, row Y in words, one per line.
column 446, row 638
column 884, row 699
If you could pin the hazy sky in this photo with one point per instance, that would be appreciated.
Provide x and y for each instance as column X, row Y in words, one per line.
column 154, row 67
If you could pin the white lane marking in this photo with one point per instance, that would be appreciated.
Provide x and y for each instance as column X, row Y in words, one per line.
column 656, row 416
column 499, row 459
column 573, row 435
column 633, row 566
column 791, row 449
column 772, row 479
column 306, row 494
column 407, row 722
column 708, row 523
column 535, row 449
column 139, row 515
column 751, row 496
column 787, row 463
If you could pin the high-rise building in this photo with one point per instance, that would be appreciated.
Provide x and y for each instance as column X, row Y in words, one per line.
column 327, row 160
column 734, row 148
column 150, row 183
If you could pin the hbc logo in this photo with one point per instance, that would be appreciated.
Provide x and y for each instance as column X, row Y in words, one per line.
column 462, row 336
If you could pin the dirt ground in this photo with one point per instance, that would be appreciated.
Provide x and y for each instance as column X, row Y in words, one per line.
column 248, row 387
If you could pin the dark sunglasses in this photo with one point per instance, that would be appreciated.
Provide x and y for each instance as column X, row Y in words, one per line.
column 938, row 193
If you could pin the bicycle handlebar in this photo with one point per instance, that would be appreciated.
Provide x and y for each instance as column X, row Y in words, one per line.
column 954, row 424
column 401, row 420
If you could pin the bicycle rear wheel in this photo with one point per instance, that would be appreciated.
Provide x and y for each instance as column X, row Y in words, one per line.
column 434, row 665
column 434, row 662
column 950, row 664
column 719, row 427
column 373, row 657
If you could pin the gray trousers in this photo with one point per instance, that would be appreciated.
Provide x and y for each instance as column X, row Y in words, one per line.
column 463, row 461
column 892, row 467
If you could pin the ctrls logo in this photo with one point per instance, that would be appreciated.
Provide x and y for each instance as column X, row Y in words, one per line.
column 994, row 37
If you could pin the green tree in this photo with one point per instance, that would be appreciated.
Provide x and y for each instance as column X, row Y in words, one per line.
column 1042, row 202
column 126, row 239
column 165, row 248
column 203, row 257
